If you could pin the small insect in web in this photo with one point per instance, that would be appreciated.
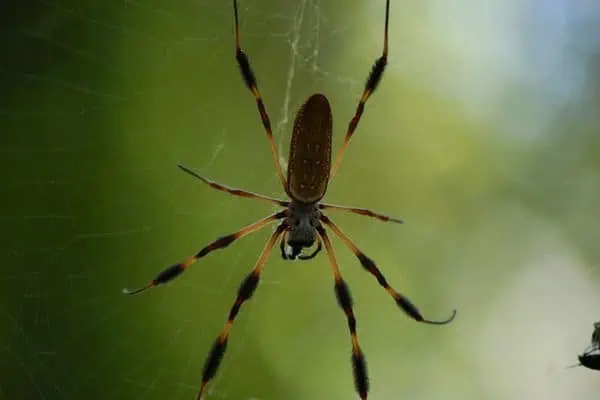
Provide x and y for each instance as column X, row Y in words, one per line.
column 303, row 222
column 591, row 356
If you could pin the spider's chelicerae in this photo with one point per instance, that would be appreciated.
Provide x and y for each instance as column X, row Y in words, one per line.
column 302, row 220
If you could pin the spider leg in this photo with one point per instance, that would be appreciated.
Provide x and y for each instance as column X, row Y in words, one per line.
column 361, row 211
column 342, row 293
column 370, row 266
column 233, row 191
column 245, row 291
column 372, row 82
column 175, row 270
column 250, row 81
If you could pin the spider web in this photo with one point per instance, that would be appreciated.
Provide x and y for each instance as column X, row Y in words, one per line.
column 483, row 136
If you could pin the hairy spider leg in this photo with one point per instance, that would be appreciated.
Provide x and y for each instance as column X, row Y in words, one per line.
column 370, row 86
column 402, row 301
column 233, row 191
column 245, row 291
column 361, row 211
column 250, row 80
column 342, row 293
column 175, row 270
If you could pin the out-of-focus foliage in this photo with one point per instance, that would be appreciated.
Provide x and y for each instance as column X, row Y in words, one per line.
column 484, row 136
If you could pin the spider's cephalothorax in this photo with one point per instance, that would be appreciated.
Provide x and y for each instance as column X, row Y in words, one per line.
column 302, row 222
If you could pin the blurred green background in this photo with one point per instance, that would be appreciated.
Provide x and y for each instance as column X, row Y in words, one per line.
column 484, row 136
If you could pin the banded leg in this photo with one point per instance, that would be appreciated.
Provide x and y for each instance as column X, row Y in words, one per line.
column 245, row 291
column 361, row 211
column 234, row 191
column 342, row 293
column 372, row 83
column 370, row 266
column 250, row 81
column 175, row 270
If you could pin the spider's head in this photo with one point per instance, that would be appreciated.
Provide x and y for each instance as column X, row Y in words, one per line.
column 302, row 234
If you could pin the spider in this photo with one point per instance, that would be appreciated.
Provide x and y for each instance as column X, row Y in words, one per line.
column 302, row 219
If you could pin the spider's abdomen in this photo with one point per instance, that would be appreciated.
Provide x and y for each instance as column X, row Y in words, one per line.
column 310, row 151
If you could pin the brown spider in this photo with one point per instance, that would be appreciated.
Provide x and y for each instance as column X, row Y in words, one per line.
column 302, row 224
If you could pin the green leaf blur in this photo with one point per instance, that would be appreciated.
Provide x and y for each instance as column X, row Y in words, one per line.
column 483, row 136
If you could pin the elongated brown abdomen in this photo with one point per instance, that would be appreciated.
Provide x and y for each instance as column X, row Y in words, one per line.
column 310, row 151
